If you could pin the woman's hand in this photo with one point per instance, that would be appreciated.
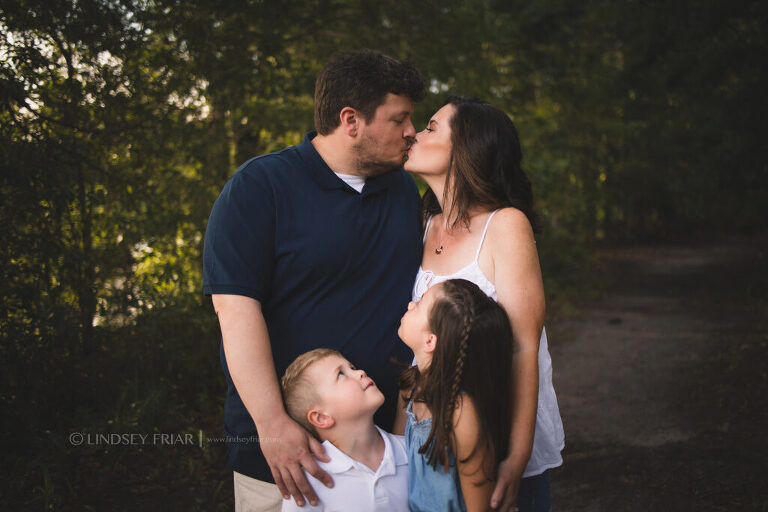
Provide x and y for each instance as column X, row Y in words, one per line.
column 507, row 484
column 288, row 448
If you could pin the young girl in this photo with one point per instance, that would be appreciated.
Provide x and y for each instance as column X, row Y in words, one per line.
column 457, row 398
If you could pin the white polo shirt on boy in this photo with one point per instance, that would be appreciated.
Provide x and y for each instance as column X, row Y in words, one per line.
column 356, row 486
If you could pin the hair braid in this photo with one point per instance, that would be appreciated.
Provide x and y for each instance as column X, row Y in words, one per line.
column 468, row 311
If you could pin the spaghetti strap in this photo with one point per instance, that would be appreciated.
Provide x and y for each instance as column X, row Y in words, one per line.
column 426, row 228
column 482, row 237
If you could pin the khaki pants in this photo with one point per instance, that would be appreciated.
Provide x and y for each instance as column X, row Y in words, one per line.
column 253, row 495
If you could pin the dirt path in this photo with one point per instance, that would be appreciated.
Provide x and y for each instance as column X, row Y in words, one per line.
column 663, row 382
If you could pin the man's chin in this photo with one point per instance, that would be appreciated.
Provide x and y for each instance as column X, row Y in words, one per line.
column 378, row 168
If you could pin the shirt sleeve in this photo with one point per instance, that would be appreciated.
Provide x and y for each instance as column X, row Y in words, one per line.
column 239, row 248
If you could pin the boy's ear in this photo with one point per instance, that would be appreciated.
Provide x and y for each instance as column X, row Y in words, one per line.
column 319, row 419
column 430, row 343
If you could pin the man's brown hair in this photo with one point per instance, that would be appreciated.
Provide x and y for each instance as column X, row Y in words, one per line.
column 361, row 80
column 299, row 393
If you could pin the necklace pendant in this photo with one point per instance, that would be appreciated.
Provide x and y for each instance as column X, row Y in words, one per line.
column 439, row 250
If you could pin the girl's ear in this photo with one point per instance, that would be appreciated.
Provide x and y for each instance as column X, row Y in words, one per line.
column 319, row 419
column 430, row 343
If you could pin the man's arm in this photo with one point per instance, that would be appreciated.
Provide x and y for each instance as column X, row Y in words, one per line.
column 286, row 445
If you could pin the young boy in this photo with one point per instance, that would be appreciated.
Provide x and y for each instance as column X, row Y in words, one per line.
column 335, row 402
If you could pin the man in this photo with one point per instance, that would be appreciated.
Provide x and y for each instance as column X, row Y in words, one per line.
column 314, row 246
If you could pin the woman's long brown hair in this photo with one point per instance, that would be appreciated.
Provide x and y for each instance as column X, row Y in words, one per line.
column 485, row 166
column 473, row 355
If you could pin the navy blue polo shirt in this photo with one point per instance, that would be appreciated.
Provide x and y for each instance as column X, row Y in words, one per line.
column 330, row 266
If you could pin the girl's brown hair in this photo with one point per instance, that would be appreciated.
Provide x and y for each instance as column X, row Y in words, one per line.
column 473, row 355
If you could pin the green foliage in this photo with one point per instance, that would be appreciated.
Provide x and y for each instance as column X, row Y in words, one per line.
column 122, row 120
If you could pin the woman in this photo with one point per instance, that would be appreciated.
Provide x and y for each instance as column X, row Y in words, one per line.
column 479, row 225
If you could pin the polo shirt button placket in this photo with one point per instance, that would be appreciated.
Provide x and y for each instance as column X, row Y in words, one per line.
column 380, row 498
column 360, row 206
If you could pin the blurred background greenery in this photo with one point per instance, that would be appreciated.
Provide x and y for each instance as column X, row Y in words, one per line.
column 122, row 120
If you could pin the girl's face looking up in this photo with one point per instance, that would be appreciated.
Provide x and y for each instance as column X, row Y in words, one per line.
column 414, row 327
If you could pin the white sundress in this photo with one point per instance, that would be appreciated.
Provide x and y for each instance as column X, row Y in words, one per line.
column 549, row 437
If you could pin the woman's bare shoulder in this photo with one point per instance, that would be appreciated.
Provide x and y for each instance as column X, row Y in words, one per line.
column 509, row 228
column 510, row 217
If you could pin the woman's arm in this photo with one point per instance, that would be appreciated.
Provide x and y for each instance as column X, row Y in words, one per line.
column 475, row 487
column 520, row 291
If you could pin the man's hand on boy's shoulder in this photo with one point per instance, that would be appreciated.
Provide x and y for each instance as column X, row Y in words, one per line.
column 290, row 505
column 289, row 448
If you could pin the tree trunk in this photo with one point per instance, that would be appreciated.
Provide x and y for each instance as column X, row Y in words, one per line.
column 85, row 291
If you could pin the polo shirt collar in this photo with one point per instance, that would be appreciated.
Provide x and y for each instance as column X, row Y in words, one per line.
column 326, row 178
column 394, row 455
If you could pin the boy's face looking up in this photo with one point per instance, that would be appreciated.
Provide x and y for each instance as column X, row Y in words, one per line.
column 344, row 393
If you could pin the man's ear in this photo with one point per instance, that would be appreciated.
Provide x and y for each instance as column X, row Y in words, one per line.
column 319, row 419
column 430, row 343
column 350, row 121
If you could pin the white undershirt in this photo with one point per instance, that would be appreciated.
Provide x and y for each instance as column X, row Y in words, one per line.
column 354, row 181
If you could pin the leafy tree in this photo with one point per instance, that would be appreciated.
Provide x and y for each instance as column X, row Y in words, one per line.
column 121, row 120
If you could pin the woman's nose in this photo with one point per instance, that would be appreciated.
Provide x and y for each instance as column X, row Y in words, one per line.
column 411, row 305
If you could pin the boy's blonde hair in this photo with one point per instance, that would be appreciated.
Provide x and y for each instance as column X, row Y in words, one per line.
column 299, row 393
